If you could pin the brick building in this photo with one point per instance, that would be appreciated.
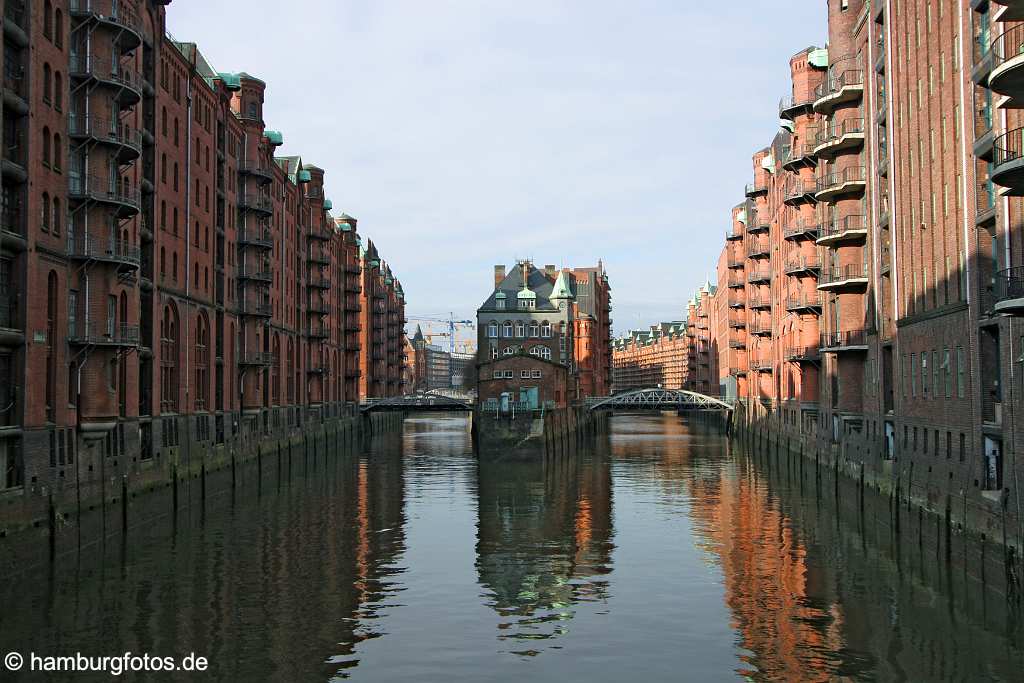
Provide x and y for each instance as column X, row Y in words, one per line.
column 869, row 289
column 540, row 313
column 169, row 285
column 656, row 357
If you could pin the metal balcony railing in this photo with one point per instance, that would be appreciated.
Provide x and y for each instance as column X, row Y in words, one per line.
column 14, row 12
column 803, row 301
column 843, row 274
column 256, row 238
column 1007, row 45
column 93, row 333
column 1009, row 284
column 844, row 338
column 848, row 225
column 108, row 10
column 9, row 299
column 836, row 82
column 259, row 358
column 850, row 126
column 790, row 103
column 91, row 247
column 985, row 198
column 319, row 282
column 1008, row 147
column 108, row 69
column 256, row 202
column 104, row 190
column 255, row 307
column 851, row 174
column 105, row 130
column 800, row 228
column 802, row 263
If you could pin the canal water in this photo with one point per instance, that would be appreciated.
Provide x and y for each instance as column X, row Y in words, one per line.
column 661, row 553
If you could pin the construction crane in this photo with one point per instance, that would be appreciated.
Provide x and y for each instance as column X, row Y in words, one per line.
column 453, row 325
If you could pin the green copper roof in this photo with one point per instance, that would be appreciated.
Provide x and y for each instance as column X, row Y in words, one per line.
column 375, row 263
column 742, row 216
column 388, row 280
column 345, row 227
column 231, row 81
column 768, row 163
column 328, row 204
column 787, row 124
column 526, row 294
column 304, row 176
column 561, row 289
column 499, row 294
column 274, row 137
column 818, row 57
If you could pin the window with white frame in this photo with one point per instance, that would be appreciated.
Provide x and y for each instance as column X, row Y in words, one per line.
column 561, row 343
column 494, row 352
column 520, row 329
column 510, row 350
column 534, row 330
column 536, row 374
column 509, row 374
column 498, row 374
column 527, row 303
column 499, row 304
column 507, row 329
column 545, row 329
column 524, row 374
column 492, row 330
column 541, row 351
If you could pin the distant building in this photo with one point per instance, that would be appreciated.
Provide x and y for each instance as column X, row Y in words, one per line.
column 438, row 367
column 536, row 343
column 656, row 357
column 461, row 369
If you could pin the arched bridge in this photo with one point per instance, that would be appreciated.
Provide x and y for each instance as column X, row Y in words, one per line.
column 424, row 401
column 659, row 399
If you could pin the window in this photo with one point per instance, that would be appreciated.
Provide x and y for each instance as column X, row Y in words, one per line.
column 46, row 146
column 58, row 91
column 936, row 388
column 44, row 212
column 58, row 29
column 524, row 374
column 545, row 329
column 494, row 352
column 499, row 303
column 520, row 329
column 492, row 330
column 55, row 225
column 507, row 330
column 57, row 152
column 536, row 374
column 541, row 351
column 959, row 372
column 509, row 351
column 924, row 374
column 948, row 373
column 48, row 20
column 498, row 374
column 509, row 374
column 46, row 83
column 534, row 330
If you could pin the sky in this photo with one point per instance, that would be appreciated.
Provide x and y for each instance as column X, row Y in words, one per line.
column 463, row 134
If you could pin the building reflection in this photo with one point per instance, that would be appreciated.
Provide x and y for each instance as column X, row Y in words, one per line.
column 544, row 543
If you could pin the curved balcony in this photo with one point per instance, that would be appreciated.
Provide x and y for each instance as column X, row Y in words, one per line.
column 257, row 203
column 93, row 333
column 254, row 272
column 799, row 191
column 802, row 264
column 106, row 250
column 319, row 282
column 845, row 136
column 760, row 276
column 317, row 332
column 837, row 184
column 318, row 234
column 125, row 25
column 318, row 259
column 851, row 229
column 756, row 189
column 736, row 282
column 256, row 358
column 107, row 72
column 261, row 239
column 1008, row 10
column 760, row 329
column 844, row 340
column 1007, row 75
column 1008, row 161
column 737, row 322
column 257, row 308
column 800, row 230
column 126, row 141
column 261, row 172
column 850, row 278
column 846, row 86
column 760, row 303
column 803, row 354
column 792, row 106
column 318, row 307
column 758, row 248
column 123, row 200
column 757, row 224
column 804, row 303
column 761, row 365
column 1009, row 291
column 799, row 155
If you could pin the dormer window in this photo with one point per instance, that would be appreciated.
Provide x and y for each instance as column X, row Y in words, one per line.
column 500, row 304
column 527, row 303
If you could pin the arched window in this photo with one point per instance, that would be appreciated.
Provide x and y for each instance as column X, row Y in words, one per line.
column 163, row 262
column 545, row 329
column 492, row 330
column 175, row 176
column 174, row 266
column 275, row 371
column 541, row 351
column 163, row 168
column 46, row 145
column 58, row 29
column 48, row 20
column 58, row 91
column 509, row 351
column 57, row 219
column 51, row 336
column 290, row 372
column 56, row 152
column 534, row 329
column 169, row 359
column 163, row 121
column 47, row 86
column 195, row 275
column 44, row 212
column 507, row 331
column 163, row 215
column 202, row 361
column 520, row 329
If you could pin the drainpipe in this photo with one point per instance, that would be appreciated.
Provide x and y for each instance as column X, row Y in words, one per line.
column 188, row 241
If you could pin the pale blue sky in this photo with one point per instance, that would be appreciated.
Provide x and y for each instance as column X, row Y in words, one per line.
column 464, row 134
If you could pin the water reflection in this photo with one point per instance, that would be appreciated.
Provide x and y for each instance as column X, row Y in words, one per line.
column 544, row 543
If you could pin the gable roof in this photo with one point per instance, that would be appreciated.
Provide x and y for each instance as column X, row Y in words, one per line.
column 538, row 284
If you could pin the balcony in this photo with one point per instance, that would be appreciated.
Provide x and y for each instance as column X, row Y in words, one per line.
column 800, row 191
column 761, row 365
column 804, row 303
column 803, row 354
column 760, row 328
column 760, row 276
column 800, row 230
column 123, row 24
column 985, row 198
column 258, row 273
column 319, row 234
column 319, row 282
column 257, row 203
column 845, row 136
column 126, row 141
column 260, row 308
column 735, row 263
column 846, row 86
column 353, row 268
column 736, row 281
column 14, row 17
column 256, row 358
column 838, row 184
column 799, row 155
column 262, row 173
column 758, row 248
column 848, row 230
column 318, row 259
column 317, row 332
column 123, row 200
column 92, row 333
column 107, row 72
column 844, row 340
column 737, row 322
column 107, row 250
column 792, row 106
column 760, row 303
column 802, row 264
column 757, row 224
column 1009, row 291
column 1008, row 161
column 11, row 332
column 756, row 189
column 262, row 239
column 737, row 344
column 1008, row 10
column 1007, row 75
column 737, row 302
column 731, row 235
column 850, row 278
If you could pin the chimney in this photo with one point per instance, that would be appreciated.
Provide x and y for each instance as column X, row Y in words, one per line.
column 550, row 271
column 499, row 275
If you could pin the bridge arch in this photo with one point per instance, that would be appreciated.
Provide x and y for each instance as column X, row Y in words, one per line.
column 420, row 401
column 660, row 399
